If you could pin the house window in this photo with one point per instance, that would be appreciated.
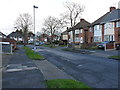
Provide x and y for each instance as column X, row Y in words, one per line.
column 97, row 27
column 77, row 31
column 81, row 30
column 109, row 25
column 76, row 35
column 97, row 39
column 109, row 38
column 77, row 39
column 91, row 29
column 118, row 24
column 81, row 39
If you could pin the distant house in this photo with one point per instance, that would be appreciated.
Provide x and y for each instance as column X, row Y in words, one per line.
column 82, row 32
column 44, row 38
column 2, row 35
column 64, row 37
column 31, row 37
column 107, row 27
column 17, row 35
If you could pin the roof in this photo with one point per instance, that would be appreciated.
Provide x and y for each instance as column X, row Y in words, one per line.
column 2, row 34
column 109, row 16
column 83, row 24
column 98, row 21
column 64, row 33
column 15, row 34
column 112, row 16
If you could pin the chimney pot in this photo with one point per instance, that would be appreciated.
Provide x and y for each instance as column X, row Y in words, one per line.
column 112, row 8
column 81, row 19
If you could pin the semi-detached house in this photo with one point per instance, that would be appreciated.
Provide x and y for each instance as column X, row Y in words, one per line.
column 107, row 27
column 80, row 33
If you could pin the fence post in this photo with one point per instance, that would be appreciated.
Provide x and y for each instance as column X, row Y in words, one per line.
column 11, row 49
column 114, row 45
column 0, row 66
column 105, row 47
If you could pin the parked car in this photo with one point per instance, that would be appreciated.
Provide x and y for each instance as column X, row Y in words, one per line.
column 37, row 43
column 102, row 44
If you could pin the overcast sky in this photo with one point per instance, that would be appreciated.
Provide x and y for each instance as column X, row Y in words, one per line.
column 10, row 10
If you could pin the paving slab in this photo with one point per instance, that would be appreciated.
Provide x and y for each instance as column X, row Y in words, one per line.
column 50, row 71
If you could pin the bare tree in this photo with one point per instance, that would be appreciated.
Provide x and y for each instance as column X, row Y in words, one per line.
column 72, row 13
column 24, row 22
column 52, row 26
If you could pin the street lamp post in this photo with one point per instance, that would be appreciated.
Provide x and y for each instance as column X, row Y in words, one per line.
column 34, row 7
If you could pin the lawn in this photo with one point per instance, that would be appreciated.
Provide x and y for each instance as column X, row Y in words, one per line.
column 62, row 45
column 32, row 55
column 115, row 57
column 65, row 83
column 51, row 46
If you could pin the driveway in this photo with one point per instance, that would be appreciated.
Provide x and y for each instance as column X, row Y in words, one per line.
column 97, row 72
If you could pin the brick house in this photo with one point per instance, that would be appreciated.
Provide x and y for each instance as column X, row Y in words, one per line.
column 64, row 37
column 44, row 38
column 107, row 27
column 82, row 33
column 18, row 36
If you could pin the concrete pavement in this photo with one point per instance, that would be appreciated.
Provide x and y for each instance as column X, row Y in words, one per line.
column 50, row 71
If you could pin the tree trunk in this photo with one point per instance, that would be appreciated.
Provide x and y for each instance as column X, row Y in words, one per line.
column 73, row 44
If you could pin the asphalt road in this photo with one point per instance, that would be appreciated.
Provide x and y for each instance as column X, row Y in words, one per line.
column 97, row 72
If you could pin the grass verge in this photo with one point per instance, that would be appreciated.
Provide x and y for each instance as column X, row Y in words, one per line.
column 50, row 46
column 115, row 57
column 62, row 45
column 66, row 83
column 32, row 55
column 93, row 48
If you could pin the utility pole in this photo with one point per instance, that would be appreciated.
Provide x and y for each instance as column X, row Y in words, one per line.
column 34, row 7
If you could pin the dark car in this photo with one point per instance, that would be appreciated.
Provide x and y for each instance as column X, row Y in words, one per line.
column 102, row 44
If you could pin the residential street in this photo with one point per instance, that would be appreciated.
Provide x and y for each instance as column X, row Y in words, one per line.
column 97, row 72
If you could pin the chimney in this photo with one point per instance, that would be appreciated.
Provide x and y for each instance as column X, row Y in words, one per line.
column 81, row 19
column 119, row 5
column 67, row 28
column 112, row 8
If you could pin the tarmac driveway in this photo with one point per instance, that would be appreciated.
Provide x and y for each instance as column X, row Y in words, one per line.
column 21, row 72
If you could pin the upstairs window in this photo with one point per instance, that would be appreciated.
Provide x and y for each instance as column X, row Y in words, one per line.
column 118, row 24
column 91, row 29
column 109, row 25
column 97, row 27
column 81, row 30
column 77, row 31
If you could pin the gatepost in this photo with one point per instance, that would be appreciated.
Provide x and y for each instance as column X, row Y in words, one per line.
column 0, row 66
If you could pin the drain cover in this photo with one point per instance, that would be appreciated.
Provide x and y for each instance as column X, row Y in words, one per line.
column 18, row 67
